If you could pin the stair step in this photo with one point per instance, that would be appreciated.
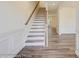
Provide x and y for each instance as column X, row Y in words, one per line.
column 34, row 47
column 36, row 36
column 41, row 38
column 32, row 41
column 37, row 28
column 40, row 17
column 39, row 22
column 35, row 44
column 37, row 32
column 38, row 25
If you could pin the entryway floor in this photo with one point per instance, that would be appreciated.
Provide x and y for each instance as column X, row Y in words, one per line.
column 58, row 47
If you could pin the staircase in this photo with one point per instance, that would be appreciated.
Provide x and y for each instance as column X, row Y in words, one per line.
column 36, row 35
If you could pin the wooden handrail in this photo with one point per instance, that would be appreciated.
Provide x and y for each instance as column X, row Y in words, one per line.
column 32, row 13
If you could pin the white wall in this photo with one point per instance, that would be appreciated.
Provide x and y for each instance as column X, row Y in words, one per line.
column 13, row 16
column 42, row 4
column 67, row 20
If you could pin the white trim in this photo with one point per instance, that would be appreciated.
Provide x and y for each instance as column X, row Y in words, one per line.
column 12, row 43
column 77, row 53
column 66, row 33
column 59, row 33
column 13, row 52
column 47, row 29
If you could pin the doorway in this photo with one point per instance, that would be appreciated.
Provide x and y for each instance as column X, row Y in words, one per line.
column 53, row 24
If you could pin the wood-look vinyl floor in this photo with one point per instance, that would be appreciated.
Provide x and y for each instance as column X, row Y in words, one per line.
column 58, row 47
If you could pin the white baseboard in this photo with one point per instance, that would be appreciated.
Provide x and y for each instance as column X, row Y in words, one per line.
column 65, row 33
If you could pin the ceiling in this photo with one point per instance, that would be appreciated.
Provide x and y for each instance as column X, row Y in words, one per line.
column 53, row 5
